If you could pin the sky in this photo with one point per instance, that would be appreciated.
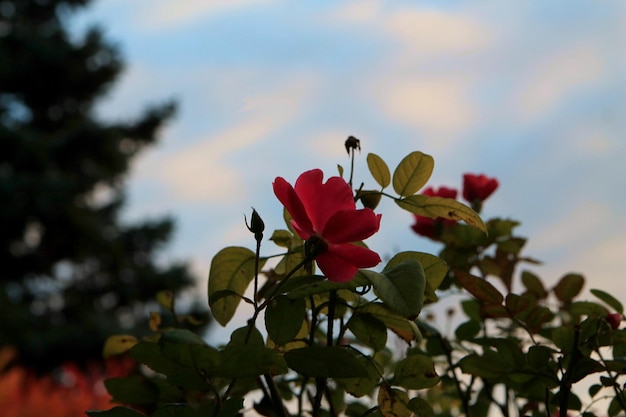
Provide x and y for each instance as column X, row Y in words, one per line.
column 532, row 93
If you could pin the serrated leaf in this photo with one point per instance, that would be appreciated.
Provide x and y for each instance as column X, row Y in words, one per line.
column 412, row 173
column 379, row 169
column 231, row 269
column 118, row 344
column 609, row 300
column 447, row 208
column 401, row 287
column 325, row 362
column 479, row 288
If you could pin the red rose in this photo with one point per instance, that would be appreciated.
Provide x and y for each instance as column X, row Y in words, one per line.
column 476, row 188
column 431, row 228
column 326, row 213
column 614, row 320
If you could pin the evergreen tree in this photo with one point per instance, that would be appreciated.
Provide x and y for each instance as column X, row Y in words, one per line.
column 71, row 273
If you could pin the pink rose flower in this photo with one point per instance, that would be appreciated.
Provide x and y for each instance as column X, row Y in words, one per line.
column 325, row 215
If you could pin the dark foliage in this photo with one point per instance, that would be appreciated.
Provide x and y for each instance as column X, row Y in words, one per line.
column 71, row 271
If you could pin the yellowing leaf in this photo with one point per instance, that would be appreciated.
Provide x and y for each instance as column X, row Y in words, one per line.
column 379, row 169
column 393, row 402
column 154, row 321
column 232, row 269
column 118, row 344
column 166, row 299
column 447, row 208
column 412, row 173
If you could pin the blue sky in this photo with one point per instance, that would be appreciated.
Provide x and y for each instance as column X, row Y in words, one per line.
column 533, row 93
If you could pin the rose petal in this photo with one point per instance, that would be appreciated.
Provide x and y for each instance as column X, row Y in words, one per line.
column 351, row 225
column 288, row 197
column 320, row 200
column 341, row 262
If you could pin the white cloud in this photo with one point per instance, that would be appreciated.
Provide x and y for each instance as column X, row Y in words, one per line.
column 166, row 13
column 419, row 30
column 556, row 78
column 437, row 105
column 437, row 32
column 200, row 173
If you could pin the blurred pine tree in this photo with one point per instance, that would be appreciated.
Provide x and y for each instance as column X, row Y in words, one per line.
column 71, row 272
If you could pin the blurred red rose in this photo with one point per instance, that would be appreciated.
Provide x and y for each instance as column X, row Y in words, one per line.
column 614, row 320
column 477, row 188
column 325, row 215
column 431, row 228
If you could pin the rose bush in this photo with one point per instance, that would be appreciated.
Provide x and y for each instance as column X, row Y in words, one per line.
column 354, row 341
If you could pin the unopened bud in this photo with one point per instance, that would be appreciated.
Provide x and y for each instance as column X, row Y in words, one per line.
column 352, row 143
column 256, row 225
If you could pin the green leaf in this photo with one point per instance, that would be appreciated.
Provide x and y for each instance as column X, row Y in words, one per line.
column 412, row 173
column 478, row 366
column 467, row 330
column 534, row 284
column 516, row 304
column 183, row 336
column 421, row 407
column 416, row 372
column 133, row 389
column 379, row 169
column 435, row 270
column 305, row 286
column 175, row 410
column 115, row 412
column 401, row 287
column 538, row 316
column 609, row 300
column 232, row 269
column 283, row 318
column 569, row 287
column 282, row 238
column 246, row 336
column 359, row 387
column 325, row 362
column 479, row 288
column 404, row 328
column 587, row 308
column 240, row 361
column 369, row 330
column 118, row 344
column 447, row 208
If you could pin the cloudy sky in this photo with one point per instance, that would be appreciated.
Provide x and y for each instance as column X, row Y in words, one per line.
column 531, row 92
